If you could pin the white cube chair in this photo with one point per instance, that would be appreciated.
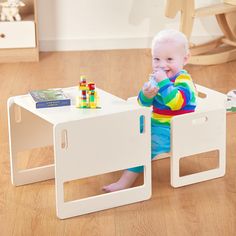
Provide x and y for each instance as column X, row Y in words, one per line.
column 193, row 133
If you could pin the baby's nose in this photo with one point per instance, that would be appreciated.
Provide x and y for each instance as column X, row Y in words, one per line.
column 162, row 64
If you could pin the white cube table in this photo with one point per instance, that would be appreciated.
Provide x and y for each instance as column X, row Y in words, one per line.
column 87, row 142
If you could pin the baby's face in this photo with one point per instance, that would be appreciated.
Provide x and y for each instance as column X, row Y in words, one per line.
column 169, row 56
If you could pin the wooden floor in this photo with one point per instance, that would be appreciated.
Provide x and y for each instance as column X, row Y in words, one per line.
column 207, row 208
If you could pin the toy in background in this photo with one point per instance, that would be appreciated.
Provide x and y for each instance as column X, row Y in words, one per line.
column 88, row 97
column 10, row 10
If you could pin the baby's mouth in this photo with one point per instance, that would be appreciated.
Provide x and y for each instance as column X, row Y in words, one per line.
column 167, row 71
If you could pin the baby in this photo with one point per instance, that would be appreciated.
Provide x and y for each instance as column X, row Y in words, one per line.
column 170, row 91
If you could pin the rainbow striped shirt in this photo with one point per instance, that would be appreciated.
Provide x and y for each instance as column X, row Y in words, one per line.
column 176, row 95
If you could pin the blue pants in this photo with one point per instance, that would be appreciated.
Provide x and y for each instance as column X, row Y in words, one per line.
column 160, row 143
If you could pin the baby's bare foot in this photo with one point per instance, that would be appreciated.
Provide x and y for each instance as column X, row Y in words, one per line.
column 125, row 181
column 113, row 187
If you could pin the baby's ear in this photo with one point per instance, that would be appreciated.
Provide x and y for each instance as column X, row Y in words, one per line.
column 186, row 58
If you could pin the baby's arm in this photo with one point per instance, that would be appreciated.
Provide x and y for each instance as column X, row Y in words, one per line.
column 177, row 95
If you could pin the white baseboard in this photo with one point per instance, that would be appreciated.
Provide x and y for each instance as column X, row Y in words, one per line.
column 103, row 43
column 94, row 44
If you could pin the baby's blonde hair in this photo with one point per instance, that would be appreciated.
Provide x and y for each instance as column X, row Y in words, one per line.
column 171, row 35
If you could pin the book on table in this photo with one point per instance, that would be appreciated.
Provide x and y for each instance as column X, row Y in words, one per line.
column 50, row 98
column 231, row 101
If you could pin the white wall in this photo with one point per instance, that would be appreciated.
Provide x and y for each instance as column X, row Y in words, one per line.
column 109, row 24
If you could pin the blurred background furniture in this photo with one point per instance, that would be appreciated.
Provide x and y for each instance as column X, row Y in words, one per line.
column 220, row 50
column 19, row 39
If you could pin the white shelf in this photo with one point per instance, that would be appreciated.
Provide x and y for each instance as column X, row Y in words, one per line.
column 19, row 39
column 17, row 34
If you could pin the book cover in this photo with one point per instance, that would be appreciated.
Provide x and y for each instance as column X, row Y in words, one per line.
column 50, row 98
column 231, row 101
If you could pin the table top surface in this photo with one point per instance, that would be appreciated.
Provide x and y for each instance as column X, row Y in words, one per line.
column 109, row 104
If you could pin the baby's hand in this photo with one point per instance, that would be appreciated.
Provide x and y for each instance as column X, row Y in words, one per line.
column 149, row 91
column 160, row 75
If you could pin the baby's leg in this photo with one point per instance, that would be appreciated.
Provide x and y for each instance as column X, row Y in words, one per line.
column 126, row 181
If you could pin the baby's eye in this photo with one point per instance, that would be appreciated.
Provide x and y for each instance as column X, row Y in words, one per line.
column 169, row 59
column 156, row 59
